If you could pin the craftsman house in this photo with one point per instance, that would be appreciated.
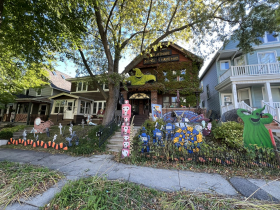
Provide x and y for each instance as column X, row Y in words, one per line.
column 34, row 103
column 237, row 80
column 167, row 76
column 84, row 99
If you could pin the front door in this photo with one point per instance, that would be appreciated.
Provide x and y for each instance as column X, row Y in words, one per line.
column 43, row 109
column 68, row 114
column 244, row 95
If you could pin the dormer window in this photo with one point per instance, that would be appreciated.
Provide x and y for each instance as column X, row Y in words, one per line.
column 225, row 65
column 82, row 86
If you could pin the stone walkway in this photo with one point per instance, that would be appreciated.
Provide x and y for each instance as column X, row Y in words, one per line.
column 161, row 179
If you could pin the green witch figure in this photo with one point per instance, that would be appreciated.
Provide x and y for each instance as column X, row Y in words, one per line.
column 254, row 130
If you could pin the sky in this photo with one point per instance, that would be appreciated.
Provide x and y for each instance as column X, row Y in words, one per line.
column 70, row 69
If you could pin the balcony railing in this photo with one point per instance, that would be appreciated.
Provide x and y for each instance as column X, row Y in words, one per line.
column 251, row 70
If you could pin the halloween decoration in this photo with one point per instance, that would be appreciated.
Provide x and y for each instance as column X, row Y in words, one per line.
column 60, row 127
column 254, row 130
column 40, row 125
column 139, row 78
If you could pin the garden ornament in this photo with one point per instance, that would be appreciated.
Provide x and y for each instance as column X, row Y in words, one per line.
column 254, row 130
column 125, row 153
column 24, row 134
column 33, row 131
column 198, row 128
column 157, row 137
column 209, row 126
column 203, row 123
column 145, row 139
column 69, row 139
column 37, row 137
column 169, row 131
column 60, row 126
column 48, row 132
column 83, row 123
column 179, row 117
column 70, row 130
column 54, row 137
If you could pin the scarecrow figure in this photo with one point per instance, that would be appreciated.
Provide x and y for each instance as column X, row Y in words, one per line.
column 254, row 130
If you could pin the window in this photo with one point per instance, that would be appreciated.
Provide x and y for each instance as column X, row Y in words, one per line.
column 227, row 99
column 225, row 65
column 63, row 77
column 24, row 108
column 170, row 101
column 183, row 72
column 203, row 104
column 54, row 73
column 240, row 61
column 59, row 106
column 26, row 92
column 208, row 91
column 38, row 93
column 105, row 87
column 85, row 107
column 82, row 86
column 165, row 75
column 267, row 57
column 268, row 37
column 97, row 105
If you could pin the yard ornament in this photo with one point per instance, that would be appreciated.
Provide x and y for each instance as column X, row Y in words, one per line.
column 254, row 130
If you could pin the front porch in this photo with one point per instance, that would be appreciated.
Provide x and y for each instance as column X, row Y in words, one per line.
column 251, row 95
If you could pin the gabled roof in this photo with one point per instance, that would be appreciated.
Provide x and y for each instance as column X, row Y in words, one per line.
column 69, row 95
column 139, row 57
column 58, row 82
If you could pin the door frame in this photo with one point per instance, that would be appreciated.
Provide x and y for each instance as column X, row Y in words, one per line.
column 250, row 97
column 222, row 96
column 66, row 110
column 40, row 107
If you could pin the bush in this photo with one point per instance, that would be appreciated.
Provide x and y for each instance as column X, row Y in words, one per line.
column 14, row 129
column 230, row 133
column 6, row 134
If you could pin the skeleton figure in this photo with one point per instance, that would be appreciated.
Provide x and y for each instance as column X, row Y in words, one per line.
column 24, row 134
column 54, row 138
column 179, row 117
column 33, row 131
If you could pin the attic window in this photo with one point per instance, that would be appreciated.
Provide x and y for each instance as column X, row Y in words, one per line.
column 63, row 77
column 54, row 73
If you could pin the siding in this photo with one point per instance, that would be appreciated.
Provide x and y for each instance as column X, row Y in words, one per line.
column 231, row 45
column 210, row 78
column 257, row 96
column 46, row 91
column 55, row 92
column 253, row 58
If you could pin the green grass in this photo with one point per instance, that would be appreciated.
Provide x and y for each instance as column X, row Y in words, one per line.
column 96, row 193
column 23, row 181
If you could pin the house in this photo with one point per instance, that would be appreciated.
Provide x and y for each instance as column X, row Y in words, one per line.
column 83, row 99
column 237, row 80
column 166, row 74
column 34, row 103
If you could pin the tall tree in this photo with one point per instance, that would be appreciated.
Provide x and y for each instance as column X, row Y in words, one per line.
column 31, row 32
column 119, row 27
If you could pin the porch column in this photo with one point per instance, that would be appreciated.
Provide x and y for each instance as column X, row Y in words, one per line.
column 269, row 94
column 16, row 112
column 28, row 113
column 234, row 95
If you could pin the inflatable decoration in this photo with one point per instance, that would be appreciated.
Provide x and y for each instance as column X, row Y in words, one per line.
column 254, row 130
column 139, row 78
column 188, row 138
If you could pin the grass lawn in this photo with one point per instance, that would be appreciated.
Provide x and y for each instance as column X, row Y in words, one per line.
column 96, row 193
column 88, row 142
column 24, row 181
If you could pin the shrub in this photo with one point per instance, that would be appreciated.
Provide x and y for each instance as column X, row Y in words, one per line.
column 6, row 134
column 230, row 133
column 14, row 129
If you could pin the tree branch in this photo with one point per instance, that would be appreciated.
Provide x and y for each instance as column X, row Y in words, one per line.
column 133, row 35
column 103, row 37
column 171, row 19
column 92, row 76
column 146, row 24
column 111, row 12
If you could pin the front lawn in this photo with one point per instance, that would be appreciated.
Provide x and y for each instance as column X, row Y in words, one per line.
column 88, row 141
column 96, row 193
column 24, row 181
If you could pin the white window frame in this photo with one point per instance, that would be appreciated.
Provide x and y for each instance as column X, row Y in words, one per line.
column 265, row 38
column 83, row 82
column 264, row 91
column 89, row 110
column 104, row 87
column 275, row 55
column 40, row 107
column 223, row 61
column 249, row 92
column 235, row 59
column 97, row 106
column 53, row 107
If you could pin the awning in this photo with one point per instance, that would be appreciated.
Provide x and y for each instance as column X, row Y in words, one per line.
column 139, row 96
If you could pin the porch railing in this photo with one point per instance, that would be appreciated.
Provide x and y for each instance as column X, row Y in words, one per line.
column 250, row 70
column 243, row 105
column 227, row 108
column 275, row 112
column 107, row 131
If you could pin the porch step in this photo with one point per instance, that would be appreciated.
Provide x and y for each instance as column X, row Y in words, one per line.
column 140, row 119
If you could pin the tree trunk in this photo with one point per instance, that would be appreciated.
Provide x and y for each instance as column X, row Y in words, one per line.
column 1, row 11
column 111, row 103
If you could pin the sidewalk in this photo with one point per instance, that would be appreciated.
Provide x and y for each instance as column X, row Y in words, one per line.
column 161, row 179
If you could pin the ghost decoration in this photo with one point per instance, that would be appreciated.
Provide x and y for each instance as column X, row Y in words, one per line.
column 126, row 144
column 125, row 130
column 126, row 110
column 126, row 138
column 125, row 153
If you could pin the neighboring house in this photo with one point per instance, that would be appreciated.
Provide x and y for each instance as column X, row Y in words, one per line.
column 84, row 99
column 34, row 103
column 237, row 80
